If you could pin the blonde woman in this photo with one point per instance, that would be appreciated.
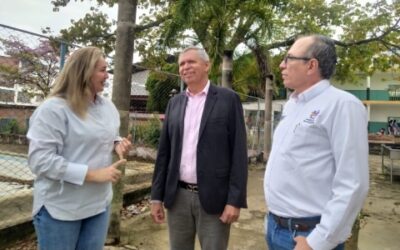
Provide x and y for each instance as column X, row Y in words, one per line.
column 71, row 137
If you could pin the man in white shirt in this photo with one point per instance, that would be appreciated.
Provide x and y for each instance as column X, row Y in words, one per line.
column 317, row 173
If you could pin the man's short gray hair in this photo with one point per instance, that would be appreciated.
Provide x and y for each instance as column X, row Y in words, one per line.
column 200, row 51
column 323, row 49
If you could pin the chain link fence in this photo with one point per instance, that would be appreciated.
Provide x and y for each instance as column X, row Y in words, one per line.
column 253, row 108
column 29, row 63
column 20, row 52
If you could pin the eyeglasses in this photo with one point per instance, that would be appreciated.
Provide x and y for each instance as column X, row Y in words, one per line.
column 289, row 57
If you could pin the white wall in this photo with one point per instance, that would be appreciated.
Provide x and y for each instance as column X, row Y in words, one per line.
column 380, row 113
column 379, row 81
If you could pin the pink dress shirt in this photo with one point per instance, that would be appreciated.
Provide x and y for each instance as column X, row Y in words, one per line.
column 193, row 114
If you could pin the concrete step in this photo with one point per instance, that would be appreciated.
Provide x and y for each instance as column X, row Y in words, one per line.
column 15, row 209
column 15, row 216
column 138, row 172
column 137, row 181
column 135, row 192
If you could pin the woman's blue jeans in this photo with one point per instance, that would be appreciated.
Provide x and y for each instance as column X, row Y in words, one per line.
column 279, row 238
column 89, row 233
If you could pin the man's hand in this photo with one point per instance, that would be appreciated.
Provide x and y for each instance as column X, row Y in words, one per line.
column 157, row 212
column 230, row 214
column 107, row 174
column 301, row 243
column 123, row 147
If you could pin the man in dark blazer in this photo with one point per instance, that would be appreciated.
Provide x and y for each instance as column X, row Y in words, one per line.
column 200, row 174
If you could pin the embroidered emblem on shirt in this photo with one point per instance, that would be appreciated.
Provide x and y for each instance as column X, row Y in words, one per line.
column 312, row 117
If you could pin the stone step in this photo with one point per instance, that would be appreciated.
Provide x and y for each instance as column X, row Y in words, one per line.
column 137, row 175
column 137, row 181
column 15, row 210
column 135, row 192
column 15, row 216
column 137, row 172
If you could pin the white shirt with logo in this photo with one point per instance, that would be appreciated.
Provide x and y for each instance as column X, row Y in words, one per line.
column 318, row 164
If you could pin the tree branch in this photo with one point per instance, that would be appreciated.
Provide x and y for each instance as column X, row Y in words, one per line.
column 139, row 28
column 379, row 38
column 289, row 41
column 372, row 39
column 388, row 46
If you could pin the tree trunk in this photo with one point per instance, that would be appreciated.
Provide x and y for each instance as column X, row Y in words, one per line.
column 121, row 97
column 267, row 78
column 268, row 118
column 227, row 69
column 352, row 242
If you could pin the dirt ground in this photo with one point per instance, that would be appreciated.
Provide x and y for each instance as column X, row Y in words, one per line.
column 19, row 149
column 380, row 223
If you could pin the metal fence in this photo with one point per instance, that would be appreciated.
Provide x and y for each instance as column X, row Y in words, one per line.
column 16, row 106
column 253, row 109
column 17, row 103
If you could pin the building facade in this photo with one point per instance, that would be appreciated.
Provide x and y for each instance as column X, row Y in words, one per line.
column 380, row 94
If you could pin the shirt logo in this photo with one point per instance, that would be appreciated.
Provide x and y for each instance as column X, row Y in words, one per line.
column 312, row 117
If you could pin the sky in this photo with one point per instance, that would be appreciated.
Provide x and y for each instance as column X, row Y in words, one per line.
column 32, row 15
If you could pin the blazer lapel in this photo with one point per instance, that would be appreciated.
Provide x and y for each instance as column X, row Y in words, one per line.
column 208, row 106
column 182, row 110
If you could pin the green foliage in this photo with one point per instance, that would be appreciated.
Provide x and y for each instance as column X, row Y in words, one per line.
column 367, row 34
column 160, row 87
column 370, row 35
column 9, row 126
column 219, row 25
column 245, row 75
column 147, row 133
column 92, row 30
column 62, row 3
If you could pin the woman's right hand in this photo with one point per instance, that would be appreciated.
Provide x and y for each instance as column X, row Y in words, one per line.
column 107, row 174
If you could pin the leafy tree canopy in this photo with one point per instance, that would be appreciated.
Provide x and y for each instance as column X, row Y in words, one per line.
column 367, row 35
column 161, row 88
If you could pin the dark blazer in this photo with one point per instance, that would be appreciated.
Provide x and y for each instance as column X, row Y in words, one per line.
column 221, row 152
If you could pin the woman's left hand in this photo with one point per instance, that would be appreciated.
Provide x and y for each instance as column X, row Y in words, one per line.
column 123, row 146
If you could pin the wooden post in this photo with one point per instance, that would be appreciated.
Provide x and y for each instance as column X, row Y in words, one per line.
column 268, row 117
column 227, row 67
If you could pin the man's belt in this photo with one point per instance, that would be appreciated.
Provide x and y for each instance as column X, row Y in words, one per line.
column 298, row 224
column 188, row 186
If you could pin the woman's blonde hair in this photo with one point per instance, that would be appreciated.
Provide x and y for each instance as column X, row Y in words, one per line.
column 73, row 83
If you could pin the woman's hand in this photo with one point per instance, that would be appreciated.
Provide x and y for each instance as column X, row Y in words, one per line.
column 107, row 174
column 122, row 147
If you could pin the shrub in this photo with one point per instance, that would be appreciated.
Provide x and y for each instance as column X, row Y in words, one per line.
column 147, row 133
column 9, row 126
